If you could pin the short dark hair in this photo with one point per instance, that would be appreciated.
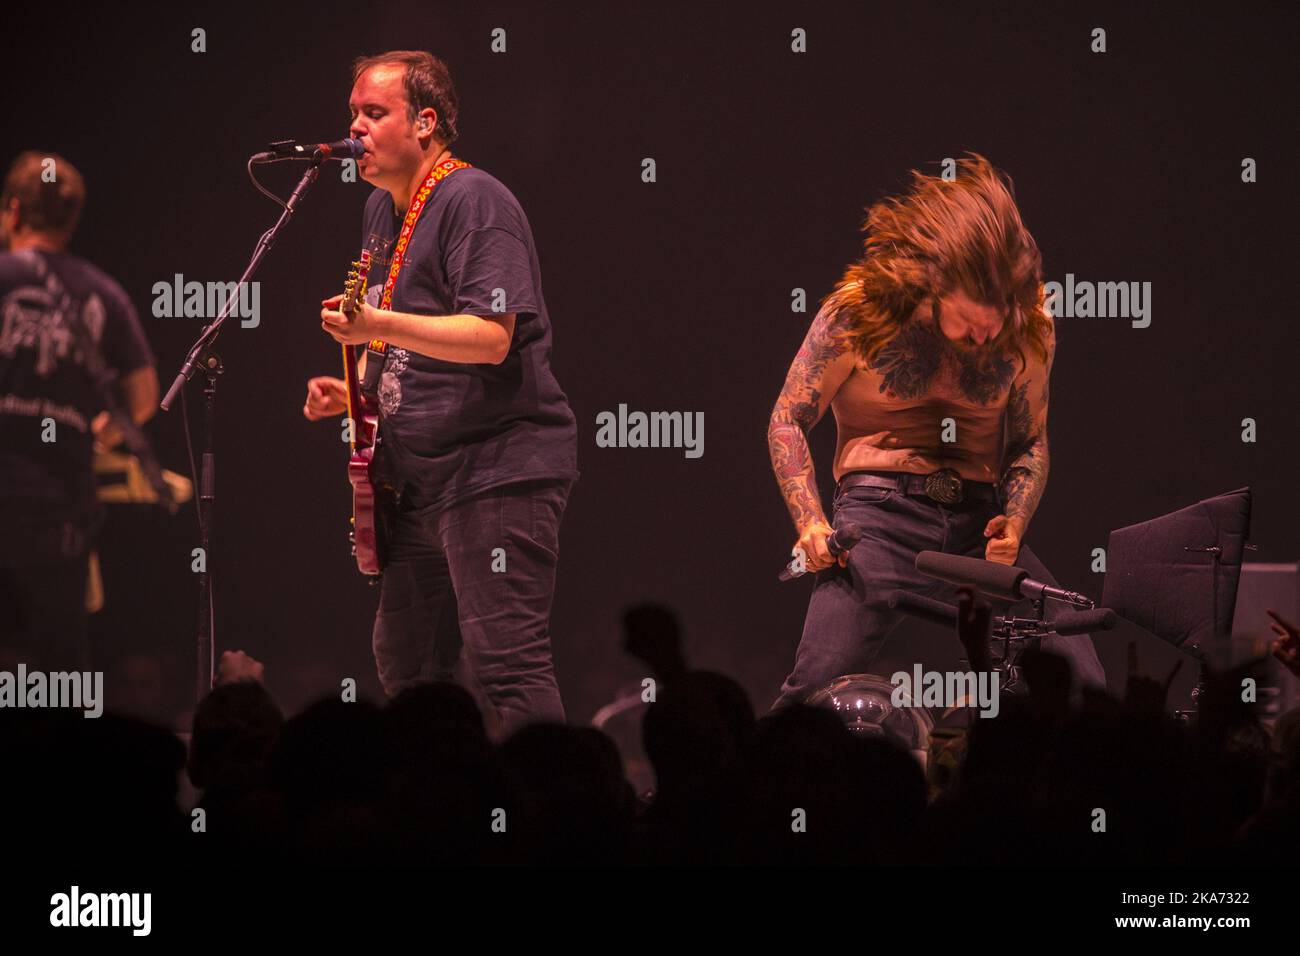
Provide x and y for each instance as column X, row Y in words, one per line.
column 44, row 206
column 428, row 85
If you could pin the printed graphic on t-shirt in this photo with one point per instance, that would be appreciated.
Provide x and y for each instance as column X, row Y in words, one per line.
column 390, row 383
column 36, row 317
column 389, row 392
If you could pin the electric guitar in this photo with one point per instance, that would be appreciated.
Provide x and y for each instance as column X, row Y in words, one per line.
column 365, row 534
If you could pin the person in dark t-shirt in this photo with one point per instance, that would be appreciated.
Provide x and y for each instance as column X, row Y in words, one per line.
column 476, row 438
column 55, row 308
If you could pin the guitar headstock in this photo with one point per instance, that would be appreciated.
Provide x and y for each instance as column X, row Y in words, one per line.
column 354, row 289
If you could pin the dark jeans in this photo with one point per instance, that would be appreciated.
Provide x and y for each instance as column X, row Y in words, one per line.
column 849, row 617
column 446, row 585
column 43, row 615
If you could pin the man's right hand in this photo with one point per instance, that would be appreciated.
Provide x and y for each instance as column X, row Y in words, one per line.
column 817, row 556
column 325, row 397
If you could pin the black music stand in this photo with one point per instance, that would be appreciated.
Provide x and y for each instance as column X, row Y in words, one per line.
column 1176, row 576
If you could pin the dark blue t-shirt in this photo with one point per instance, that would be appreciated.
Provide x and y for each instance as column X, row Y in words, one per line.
column 449, row 429
column 43, row 376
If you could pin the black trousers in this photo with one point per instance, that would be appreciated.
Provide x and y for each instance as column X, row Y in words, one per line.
column 849, row 616
column 479, row 574
column 43, row 598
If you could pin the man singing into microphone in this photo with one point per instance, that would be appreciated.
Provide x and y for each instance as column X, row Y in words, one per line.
column 927, row 345
column 476, row 438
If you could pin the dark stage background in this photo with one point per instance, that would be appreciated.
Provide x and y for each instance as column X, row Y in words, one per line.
column 676, row 295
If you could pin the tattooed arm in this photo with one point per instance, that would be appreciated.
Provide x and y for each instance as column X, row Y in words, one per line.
column 823, row 363
column 1025, row 476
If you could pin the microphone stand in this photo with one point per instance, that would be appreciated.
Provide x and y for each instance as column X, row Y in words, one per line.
column 1013, row 634
column 1020, row 629
column 202, row 354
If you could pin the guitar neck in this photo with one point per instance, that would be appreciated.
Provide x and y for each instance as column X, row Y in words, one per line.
column 354, row 292
column 356, row 405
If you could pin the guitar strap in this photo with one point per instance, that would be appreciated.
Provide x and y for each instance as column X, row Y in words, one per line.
column 376, row 350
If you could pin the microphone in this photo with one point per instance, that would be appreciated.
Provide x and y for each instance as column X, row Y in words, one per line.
column 1081, row 622
column 999, row 580
column 841, row 539
column 340, row 149
column 1065, row 623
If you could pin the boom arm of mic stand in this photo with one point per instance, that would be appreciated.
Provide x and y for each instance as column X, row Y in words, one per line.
column 210, row 333
column 201, row 352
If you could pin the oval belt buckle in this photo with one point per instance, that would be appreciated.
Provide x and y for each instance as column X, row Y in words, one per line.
column 944, row 486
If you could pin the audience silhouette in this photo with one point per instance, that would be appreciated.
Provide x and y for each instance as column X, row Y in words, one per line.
column 418, row 781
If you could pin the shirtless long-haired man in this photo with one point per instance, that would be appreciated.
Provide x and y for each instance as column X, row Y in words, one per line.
column 934, row 352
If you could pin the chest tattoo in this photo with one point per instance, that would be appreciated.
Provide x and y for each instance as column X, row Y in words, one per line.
column 910, row 365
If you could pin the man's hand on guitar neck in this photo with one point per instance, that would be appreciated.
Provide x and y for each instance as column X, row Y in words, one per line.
column 356, row 329
column 325, row 397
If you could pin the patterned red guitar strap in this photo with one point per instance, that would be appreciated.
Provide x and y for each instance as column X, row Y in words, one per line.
column 376, row 350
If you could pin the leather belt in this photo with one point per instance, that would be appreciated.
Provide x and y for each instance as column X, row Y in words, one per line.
column 944, row 486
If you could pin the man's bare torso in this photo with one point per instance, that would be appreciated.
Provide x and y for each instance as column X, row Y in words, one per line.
column 916, row 382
